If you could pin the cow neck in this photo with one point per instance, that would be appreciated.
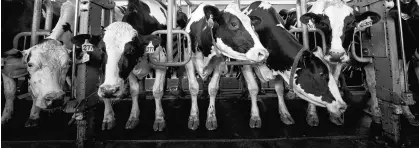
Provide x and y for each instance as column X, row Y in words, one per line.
column 210, row 23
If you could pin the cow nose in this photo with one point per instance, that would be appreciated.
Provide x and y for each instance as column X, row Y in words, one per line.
column 257, row 55
column 336, row 56
column 342, row 109
column 109, row 91
column 54, row 99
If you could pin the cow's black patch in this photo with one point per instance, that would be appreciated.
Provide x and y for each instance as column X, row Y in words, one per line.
column 67, row 27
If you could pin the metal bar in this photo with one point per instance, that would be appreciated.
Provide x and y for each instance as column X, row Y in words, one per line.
column 237, row 2
column 36, row 20
column 73, row 69
column 168, row 64
column 48, row 19
column 105, row 4
column 188, row 2
column 169, row 37
column 303, row 10
column 16, row 38
column 298, row 11
column 402, row 44
column 295, row 30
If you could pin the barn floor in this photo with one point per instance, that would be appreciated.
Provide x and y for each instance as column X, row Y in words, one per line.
column 233, row 127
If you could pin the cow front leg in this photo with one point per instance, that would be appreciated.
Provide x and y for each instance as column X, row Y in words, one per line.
column 134, row 86
column 373, row 103
column 255, row 120
column 193, row 122
column 213, row 86
column 283, row 111
column 9, row 89
column 312, row 118
column 33, row 120
column 108, row 116
column 158, row 91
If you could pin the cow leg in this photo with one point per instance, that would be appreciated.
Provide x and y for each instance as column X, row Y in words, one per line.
column 159, row 122
column 33, row 120
column 312, row 118
column 193, row 122
column 283, row 111
column 109, row 115
column 134, row 86
column 213, row 86
column 409, row 116
column 9, row 89
column 336, row 73
column 373, row 103
column 255, row 121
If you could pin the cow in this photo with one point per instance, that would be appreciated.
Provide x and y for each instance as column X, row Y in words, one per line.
column 410, row 21
column 313, row 78
column 338, row 31
column 216, row 34
column 125, row 59
column 48, row 65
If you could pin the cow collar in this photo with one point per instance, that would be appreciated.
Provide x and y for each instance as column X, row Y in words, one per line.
column 210, row 23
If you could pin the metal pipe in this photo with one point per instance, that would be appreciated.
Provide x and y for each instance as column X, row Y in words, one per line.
column 48, row 19
column 188, row 2
column 169, row 37
column 36, row 20
column 73, row 68
column 109, row 4
column 237, row 2
column 360, row 59
column 294, row 30
column 402, row 43
column 18, row 36
column 189, row 49
column 303, row 10
column 298, row 11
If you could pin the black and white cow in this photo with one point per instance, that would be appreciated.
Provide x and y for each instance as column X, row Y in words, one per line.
column 313, row 78
column 228, row 32
column 125, row 60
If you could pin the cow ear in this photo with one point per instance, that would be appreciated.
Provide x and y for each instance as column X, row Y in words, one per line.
column 80, row 39
column 255, row 20
column 212, row 12
column 375, row 17
column 310, row 16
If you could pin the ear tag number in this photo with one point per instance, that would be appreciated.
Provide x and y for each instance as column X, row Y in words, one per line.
column 150, row 48
column 87, row 46
column 364, row 24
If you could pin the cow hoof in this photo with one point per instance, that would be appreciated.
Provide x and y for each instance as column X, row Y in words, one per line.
column 255, row 122
column 132, row 123
column 336, row 120
column 32, row 123
column 193, row 122
column 287, row 119
column 312, row 120
column 108, row 125
column 211, row 123
column 412, row 121
column 159, row 124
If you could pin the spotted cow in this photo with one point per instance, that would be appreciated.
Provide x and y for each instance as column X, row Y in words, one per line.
column 216, row 34
column 313, row 78
column 125, row 61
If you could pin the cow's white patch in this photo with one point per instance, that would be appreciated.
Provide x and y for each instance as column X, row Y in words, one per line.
column 229, row 52
column 66, row 16
column 156, row 10
column 116, row 36
column 280, row 25
column 197, row 15
column 246, row 22
column 337, row 14
column 265, row 5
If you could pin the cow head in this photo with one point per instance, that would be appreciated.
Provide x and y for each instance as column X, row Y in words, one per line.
column 47, row 64
column 232, row 31
column 337, row 20
column 123, row 47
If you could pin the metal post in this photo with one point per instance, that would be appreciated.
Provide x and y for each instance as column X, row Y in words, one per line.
column 298, row 11
column 169, row 42
column 73, row 70
column 303, row 6
column 36, row 21
column 48, row 20
column 402, row 44
column 237, row 2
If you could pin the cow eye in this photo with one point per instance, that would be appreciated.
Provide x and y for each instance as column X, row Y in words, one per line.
column 234, row 24
column 30, row 65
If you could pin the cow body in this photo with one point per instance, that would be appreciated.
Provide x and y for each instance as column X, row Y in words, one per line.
column 313, row 79
column 228, row 33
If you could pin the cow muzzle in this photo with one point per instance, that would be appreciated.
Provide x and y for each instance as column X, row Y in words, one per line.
column 109, row 91
column 336, row 57
column 257, row 55
column 54, row 99
column 337, row 108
